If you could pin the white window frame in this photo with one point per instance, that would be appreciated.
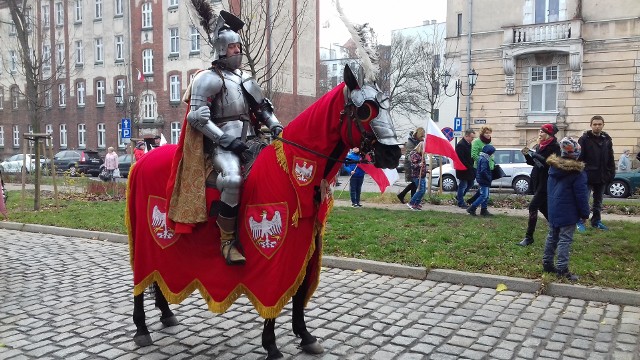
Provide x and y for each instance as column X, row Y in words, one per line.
column 149, row 108
column 97, row 10
column 120, row 89
column 77, row 11
column 59, row 13
column 147, row 13
column 119, row 41
column 79, row 52
column 549, row 77
column 99, row 50
column 48, row 129
column 1, row 97
column 63, row 135
column 13, row 61
column 62, row 95
column 102, row 136
column 176, row 127
column 174, row 41
column 82, row 135
column 60, row 54
column 100, row 92
column 119, row 9
column 16, row 136
column 48, row 99
column 15, row 98
column 174, row 88
column 147, row 61
column 173, row 3
column 194, row 40
column 46, row 21
column 81, row 91
column 46, row 56
column 1, row 135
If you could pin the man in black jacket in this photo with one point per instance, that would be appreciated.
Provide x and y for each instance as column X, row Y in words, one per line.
column 547, row 146
column 465, row 177
column 600, row 165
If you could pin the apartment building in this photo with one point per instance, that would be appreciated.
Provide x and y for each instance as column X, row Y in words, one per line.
column 111, row 60
column 557, row 61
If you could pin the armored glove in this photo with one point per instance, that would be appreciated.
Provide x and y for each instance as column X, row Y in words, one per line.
column 233, row 144
column 276, row 130
column 200, row 116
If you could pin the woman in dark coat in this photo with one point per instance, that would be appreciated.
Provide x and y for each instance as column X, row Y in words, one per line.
column 412, row 141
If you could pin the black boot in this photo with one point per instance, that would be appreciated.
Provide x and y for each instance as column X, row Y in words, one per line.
column 567, row 275
column 472, row 210
column 485, row 212
column 526, row 241
column 549, row 268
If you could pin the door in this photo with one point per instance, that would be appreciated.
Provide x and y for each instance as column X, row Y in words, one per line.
column 547, row 11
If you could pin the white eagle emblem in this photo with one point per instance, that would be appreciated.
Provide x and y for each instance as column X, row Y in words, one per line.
column 304, row 172
column 263, row 229
column 159, row 223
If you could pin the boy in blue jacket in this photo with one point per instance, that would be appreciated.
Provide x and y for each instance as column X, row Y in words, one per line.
column 484, row 178
column 568, row 202
column 357, row 176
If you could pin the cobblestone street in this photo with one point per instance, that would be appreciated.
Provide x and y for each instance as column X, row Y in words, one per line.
column 71, row 298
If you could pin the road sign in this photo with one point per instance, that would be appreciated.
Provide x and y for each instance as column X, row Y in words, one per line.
column 126, row 128
column 457, row 134
column 480, row 121
column 448, row 133
column 457, row 124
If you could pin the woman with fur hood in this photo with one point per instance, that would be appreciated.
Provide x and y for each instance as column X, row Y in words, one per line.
column 568, row 202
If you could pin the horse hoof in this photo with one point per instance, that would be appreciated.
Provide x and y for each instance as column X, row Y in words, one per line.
column 143, row 340
column 274, row 355
column 313, row 348
column 169, row 321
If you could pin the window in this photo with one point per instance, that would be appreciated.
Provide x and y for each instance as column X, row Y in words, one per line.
column 29, row 18
column 16, row 136
column 48, row 101
column 98, row 10
column 100, row 92
column 119, row 48
column 77, row 11
column 175, row 132
column 459, row 30
column 80, row 93
column 174, row 41
column 146, row 15
column 173, row 3
column 12, row 29
column 1, row 136
column 101, row 136
column 82, row 135
column 46, row 56
column 195, row 40
column 174, row 88
column 49, row 130
column 15, row 98
column 13, row 61
column 45, row 16
column 59, row 14
column 147, row 61
column 60, row 54
column 148, row 108
column 99, row 50
column 63, row 135
column 62, row 95
column 543, row 89
column 118, row 10
column 79, row 53
column 120, row 85
column 546, row 11
column 1, row 97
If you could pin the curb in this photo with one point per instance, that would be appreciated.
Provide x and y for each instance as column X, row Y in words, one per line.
column 615, row 296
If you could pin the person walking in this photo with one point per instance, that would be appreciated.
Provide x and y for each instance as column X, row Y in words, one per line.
column 484, row 178
column 600, row 165
column 624, row 164
column 110, row 163
column 568, row 197
column 547, row 146
column 476, row 147
column 419, row 172
column 413, row 140
column 465, row 177
column 357, row 176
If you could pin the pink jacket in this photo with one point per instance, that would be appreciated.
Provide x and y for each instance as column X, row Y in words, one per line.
column 111, row 161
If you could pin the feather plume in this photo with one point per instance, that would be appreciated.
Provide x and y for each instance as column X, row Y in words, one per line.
column 363, row 37
column 208, row 14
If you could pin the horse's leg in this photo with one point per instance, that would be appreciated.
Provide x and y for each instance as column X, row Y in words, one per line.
column 142, row 337
column 308, row 343
column 167, row 318
column 269, row 340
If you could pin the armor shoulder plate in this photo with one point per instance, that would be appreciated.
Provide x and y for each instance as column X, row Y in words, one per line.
column 252, row 88
column 206, row 84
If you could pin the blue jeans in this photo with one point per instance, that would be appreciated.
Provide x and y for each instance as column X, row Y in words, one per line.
column 355, row 188
column 483, row 199
column 463, row 187
column 421, row 184
column 559, row 239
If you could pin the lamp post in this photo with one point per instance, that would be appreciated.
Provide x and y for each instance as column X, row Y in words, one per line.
column 473, row 77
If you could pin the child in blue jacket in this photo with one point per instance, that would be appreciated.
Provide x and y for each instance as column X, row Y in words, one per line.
column 357, row 176
column 484, row 178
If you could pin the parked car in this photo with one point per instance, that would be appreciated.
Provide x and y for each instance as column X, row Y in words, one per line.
column 124, row 165
column 78, row 162
column 437, row 159
column 15, row 163
column 624, row 184
column 510, row 160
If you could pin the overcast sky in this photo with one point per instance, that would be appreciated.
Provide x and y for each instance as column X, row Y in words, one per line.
column 379, row 14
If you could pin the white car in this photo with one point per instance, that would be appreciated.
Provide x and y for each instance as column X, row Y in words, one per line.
column 14, row 163
column 510, row 160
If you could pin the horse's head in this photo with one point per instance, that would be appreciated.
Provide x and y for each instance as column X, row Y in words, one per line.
column 367, row 109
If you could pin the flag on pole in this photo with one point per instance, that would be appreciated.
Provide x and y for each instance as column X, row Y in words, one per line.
column 436, row 143
column 140, row 76
column 163, row 140
column 383, row 177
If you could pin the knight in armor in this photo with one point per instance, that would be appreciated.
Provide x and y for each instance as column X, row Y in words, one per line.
column 226, row 105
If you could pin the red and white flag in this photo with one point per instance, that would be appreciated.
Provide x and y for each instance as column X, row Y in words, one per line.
column 383, row 177
column 436, row 143
column 140, row 76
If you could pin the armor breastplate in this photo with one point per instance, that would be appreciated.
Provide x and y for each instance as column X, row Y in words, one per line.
column 230, row 103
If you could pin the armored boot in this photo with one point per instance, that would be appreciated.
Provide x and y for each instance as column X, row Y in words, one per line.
column 228, row 241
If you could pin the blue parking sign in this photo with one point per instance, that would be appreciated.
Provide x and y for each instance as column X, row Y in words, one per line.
column 457, row 124
column 126, row 128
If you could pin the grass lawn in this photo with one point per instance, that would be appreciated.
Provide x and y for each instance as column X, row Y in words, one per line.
column 427, row 238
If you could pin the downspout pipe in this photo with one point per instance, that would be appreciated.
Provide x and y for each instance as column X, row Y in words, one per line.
column 469, row 63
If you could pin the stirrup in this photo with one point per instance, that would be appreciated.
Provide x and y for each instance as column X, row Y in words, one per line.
column 227, row 256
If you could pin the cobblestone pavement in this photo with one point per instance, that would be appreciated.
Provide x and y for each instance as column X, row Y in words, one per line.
column 70, row 298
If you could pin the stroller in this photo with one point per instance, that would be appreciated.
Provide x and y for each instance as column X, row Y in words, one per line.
column 104, row 174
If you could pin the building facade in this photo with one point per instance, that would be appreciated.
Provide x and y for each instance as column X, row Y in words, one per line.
column 557, row 61
column 134, row 59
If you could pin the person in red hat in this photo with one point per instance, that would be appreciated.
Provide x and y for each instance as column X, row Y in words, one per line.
column 547, row 145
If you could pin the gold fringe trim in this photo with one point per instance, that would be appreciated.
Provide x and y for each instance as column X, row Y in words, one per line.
column 295, row 217
column 280, row 156
column 127, row 219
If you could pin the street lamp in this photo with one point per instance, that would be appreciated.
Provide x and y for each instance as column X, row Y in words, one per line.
column 473, row 77
column 120, row 101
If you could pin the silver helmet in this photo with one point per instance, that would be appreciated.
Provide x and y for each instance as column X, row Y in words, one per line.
column 225, row 32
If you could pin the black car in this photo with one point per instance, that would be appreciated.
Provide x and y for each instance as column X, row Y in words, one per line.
column 124, row 164
column 78, row 162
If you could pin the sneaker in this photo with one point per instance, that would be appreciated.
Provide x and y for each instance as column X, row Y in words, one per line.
column 401, row 198
column 565, row 274
column 600, row 226
column 359, row 205
column 526, row 242
column 471, row 211
column 463, row 206
column 416, row 208
column 580, row 227
column 409, row 206
column 354, row 205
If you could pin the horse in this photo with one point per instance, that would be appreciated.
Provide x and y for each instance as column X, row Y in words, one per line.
column 285, row 201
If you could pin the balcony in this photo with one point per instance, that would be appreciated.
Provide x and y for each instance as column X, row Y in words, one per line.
column 536, row 33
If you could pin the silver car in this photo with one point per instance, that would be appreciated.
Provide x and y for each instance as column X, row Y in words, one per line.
column 510, row 160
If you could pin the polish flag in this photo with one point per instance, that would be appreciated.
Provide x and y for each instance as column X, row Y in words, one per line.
column 140, row 76
column 383, row 177
column 436, row 143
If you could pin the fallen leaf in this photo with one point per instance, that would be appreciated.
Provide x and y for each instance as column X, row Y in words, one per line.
column 501, row 287
column 358, row 270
